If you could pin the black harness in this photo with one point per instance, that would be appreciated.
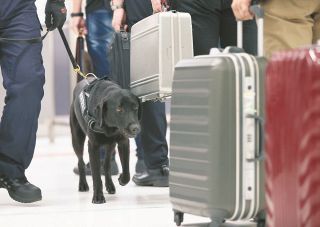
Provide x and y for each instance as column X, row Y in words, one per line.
column 84, row 100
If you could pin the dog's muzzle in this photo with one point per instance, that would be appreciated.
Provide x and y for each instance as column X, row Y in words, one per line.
column 133, row 130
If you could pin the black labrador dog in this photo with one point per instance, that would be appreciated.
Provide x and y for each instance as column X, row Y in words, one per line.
column 108, row 116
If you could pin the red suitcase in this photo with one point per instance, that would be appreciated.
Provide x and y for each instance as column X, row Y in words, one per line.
column 293, row 139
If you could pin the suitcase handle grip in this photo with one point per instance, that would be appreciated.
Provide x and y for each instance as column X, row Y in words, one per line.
column 257, row 10
column 259, row 156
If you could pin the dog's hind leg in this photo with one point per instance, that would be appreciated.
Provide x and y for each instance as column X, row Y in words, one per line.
column 94, row 155
column 110, row 149
column 78, row 139
column 124, row 153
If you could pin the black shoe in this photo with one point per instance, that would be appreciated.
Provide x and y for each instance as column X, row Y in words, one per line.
column 140, row 166
column 153, row 177
column 114, row 168
column 21, row 190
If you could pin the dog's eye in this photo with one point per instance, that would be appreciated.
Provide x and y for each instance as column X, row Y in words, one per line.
column 119, row 109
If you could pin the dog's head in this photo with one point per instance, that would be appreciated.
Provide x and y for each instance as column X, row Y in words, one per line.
column 120, row 109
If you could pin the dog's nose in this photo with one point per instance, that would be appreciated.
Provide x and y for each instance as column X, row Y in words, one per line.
column 134, row 128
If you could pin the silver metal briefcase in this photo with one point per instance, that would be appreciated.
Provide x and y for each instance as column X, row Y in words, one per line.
column 158, row 42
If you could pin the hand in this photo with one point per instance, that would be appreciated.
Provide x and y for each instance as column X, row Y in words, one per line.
column 78, row 25
column 156, row 6
column 119, row 19
column 241, row 9
column 56, row 13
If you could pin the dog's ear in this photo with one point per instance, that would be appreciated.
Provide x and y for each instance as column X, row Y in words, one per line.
column 100, row 109
column 139, row 108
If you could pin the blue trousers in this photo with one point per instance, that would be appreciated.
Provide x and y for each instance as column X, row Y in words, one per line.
column 23, row 80
column 99, row 38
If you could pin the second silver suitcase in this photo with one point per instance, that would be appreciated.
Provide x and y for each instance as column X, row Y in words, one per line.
column 158, row 42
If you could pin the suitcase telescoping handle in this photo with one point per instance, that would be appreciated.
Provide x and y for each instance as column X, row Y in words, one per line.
column 260, row 155
column 257, row 10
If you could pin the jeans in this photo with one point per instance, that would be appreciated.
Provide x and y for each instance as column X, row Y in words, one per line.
column 99, row 37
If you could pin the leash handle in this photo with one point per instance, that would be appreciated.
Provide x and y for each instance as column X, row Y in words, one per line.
column 76, row 67
column 32, row 40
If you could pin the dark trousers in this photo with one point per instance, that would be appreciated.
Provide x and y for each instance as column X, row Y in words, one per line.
column 214, row 25
column 23, row 79
column 153, row 120
column 153, row 134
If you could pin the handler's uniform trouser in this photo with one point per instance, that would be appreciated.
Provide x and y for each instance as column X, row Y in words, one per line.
column 290, row 24
column 23, row 79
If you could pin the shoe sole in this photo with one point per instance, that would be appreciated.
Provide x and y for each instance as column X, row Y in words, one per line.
column 24, row 200
column 157, row 183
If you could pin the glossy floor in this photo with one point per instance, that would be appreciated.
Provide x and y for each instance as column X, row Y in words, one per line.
column 63, row 205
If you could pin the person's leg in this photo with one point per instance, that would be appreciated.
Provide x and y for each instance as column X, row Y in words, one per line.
column 205, row 23
column 153, row 138
column 228, row 32
column 289, row 28
column 140, row 166
column 316, row 25
column 100, row 33
column 228, row 28
column 23, row 79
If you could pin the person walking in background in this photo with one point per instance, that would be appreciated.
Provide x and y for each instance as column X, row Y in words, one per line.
column 99, row 36
column 23, row 79
column 214, row 25
column 153, row 121
column 288, row 24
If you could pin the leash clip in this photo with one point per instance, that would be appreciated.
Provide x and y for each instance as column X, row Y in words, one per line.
column 78, row 71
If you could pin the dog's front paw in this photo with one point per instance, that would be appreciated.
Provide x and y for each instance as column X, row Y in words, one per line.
column 98, row 199
column 111, row 189
column 124, row 179
column 83, row 187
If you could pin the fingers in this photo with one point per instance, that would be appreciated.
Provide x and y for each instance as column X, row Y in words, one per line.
column 117, row 27
column 156, row 6
column 118, row 19
column 54, row 21
column 78, row 25
column 49, row 22
column 241, row 9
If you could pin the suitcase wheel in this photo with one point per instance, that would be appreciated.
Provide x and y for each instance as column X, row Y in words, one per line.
column 178, row 217
column 216, row 222
column 260, row 219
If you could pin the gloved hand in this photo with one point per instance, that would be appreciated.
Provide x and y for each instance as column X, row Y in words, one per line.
column 56, row 13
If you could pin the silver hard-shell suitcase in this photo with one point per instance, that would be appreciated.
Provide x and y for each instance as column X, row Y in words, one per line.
column 216, row 137
column 158, row 42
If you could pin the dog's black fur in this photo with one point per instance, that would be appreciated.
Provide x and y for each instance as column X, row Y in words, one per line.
column 117, row 113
